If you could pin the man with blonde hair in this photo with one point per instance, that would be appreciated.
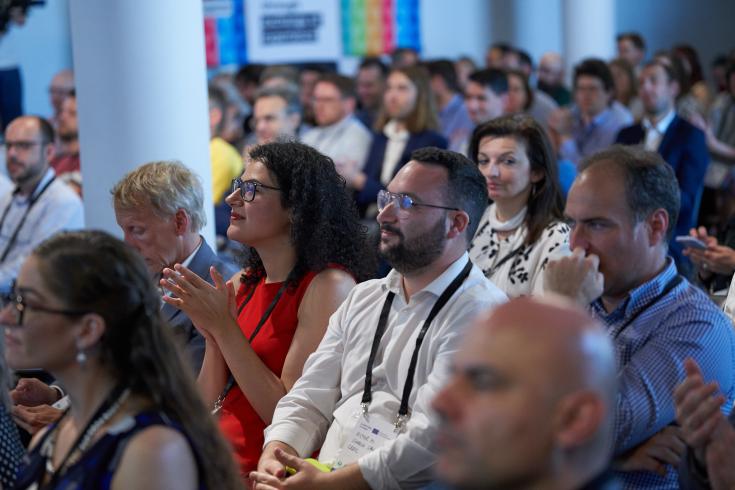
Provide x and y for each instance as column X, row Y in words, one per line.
column 160, row 208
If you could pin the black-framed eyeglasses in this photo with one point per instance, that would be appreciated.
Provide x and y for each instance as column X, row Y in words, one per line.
column 404, row 201
column 15, row 300
column 248, row 188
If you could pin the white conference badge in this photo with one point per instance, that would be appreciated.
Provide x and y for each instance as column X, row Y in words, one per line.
column 368, row 434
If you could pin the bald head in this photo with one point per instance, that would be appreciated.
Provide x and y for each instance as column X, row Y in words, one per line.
column 551, row 69
column 531, row 398
column 559, row 335
column 62, row 85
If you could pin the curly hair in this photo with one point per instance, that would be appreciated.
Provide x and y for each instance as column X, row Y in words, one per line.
column 95, row 272
column 325, row 226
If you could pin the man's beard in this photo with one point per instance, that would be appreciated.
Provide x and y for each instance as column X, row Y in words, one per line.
column 416, row 254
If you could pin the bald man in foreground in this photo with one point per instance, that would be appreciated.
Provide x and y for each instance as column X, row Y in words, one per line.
column 530, row 401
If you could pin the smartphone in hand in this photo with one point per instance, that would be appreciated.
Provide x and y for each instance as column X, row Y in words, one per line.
column 691, row 242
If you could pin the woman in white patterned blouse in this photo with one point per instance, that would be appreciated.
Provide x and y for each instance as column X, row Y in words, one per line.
column 522, row 229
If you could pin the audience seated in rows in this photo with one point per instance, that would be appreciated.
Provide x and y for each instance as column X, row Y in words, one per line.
column 84, row 309
column 350, row 390
column 160, row 210
column 680, row 144
column 305, row 251
column 41, row 204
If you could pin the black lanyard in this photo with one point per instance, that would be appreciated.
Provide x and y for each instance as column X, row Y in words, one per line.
column 367, row 394
column 33, row 200
column 673, row 282
column 261, row 322
column 113, row 398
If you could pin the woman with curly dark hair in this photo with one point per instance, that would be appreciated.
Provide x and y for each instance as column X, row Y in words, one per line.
column 83, row 308
column 306, row 250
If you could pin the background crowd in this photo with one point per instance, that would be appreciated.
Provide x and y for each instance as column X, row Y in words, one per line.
column 533, row 265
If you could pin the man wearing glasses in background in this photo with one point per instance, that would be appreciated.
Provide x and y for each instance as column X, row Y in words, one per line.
column 159, row 208
column 40, row 205
column 363, row 399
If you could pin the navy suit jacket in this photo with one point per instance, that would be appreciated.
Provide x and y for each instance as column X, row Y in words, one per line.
column 183, row 329
column 684, row 147
column 374, row 163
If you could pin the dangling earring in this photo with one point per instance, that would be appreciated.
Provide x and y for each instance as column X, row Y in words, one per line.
column 81, row 356
column 534, row 190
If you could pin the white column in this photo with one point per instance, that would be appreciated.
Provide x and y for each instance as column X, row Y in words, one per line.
column 589, row 30
column 538, row 26
column 141, row 94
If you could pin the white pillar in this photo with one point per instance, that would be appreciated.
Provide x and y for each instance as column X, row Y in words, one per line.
column 589, row 30
column 537, row 26
column 141, row 94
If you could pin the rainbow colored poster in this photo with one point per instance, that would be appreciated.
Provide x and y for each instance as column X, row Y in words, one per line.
column 224, row 33
column 374, row 27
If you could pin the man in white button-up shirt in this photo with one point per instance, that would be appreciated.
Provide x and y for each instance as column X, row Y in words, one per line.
column 41, row 205
column 427, row 216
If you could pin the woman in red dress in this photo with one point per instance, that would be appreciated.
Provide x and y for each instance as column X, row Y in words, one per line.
column 305, row 249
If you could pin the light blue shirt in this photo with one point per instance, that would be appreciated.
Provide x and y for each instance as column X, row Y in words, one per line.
column 599, row 134
column 653, row 335
column 58, row 208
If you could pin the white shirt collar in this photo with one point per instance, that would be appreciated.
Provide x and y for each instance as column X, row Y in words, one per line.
column 662, row 125
column 392, row 132
column 394, row 279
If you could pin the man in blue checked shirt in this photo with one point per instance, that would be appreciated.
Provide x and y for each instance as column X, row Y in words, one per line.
column 622, row 209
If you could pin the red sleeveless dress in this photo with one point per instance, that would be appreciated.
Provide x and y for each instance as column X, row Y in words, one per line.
column 238, row 421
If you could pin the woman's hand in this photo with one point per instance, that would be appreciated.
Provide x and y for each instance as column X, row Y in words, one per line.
column 715, row 259
column 210, row 308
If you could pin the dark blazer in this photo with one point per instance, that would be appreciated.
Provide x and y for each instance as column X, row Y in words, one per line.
column 684, row 148
column 374, row 163
column 184, row 331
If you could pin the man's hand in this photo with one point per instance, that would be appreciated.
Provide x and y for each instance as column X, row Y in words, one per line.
column 665, row 448
column 33, row 419
column 32, row 392
column 716, row 258
column 306, row 477
column 719, row 457
column 697, row 408
column 272, row 474
column 576, row 277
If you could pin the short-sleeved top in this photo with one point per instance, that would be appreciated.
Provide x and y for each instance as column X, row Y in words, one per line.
column 96, row 468
column 238, row 420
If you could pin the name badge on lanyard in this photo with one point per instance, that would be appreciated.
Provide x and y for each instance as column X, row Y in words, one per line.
column 370, row 432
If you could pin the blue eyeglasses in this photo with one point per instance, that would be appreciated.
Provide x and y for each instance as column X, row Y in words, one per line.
column 404, row 201
column 248, row 188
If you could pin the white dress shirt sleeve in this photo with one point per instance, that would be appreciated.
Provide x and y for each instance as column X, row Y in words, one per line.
column 304, row 415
